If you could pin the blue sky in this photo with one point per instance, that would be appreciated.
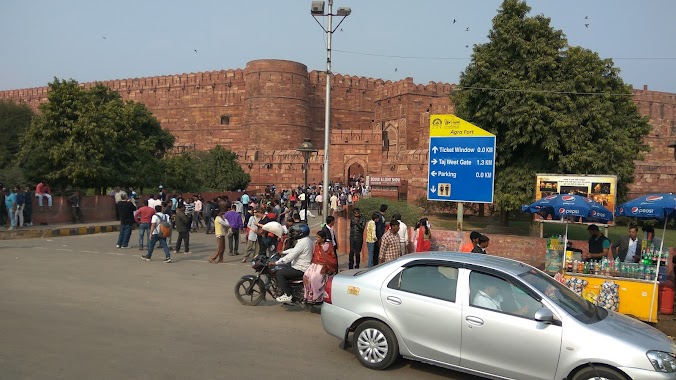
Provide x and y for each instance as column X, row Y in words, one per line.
column 46, row 38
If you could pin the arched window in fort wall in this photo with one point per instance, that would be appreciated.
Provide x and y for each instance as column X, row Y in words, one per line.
column 225, row 119
column 390, row 141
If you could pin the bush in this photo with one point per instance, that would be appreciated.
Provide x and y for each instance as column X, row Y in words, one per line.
column 410, row 214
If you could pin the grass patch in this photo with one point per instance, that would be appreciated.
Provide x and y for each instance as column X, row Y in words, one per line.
column 521, row 225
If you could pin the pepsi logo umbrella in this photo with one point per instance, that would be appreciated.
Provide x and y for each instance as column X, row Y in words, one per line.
column 565, row 205
column 654, row 206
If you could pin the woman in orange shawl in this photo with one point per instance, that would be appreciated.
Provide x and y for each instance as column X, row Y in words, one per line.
column 317, row 274
column 422, row 236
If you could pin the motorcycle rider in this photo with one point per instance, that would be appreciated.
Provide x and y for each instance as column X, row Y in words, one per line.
column 300, row 257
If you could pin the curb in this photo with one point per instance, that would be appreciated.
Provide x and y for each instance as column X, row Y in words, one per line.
column 58, row 231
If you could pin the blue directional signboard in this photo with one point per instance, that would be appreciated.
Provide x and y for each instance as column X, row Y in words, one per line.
column 461, row 165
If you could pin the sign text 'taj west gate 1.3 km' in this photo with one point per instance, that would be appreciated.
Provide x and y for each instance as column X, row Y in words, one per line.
column 461, row 165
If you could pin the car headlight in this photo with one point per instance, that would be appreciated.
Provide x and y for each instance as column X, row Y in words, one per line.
column 662, row 361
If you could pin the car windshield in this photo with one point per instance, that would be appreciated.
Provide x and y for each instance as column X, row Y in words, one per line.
column 578, row 307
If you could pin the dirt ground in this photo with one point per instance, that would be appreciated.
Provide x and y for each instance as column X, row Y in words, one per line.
column 667, row 324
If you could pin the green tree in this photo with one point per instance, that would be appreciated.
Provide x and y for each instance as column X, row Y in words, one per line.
column 14, row 119
column 220, row 171
column 554, row 108
column 181, row 172
column 93, row 139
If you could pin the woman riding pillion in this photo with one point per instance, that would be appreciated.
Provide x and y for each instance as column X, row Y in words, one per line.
column 323, row 265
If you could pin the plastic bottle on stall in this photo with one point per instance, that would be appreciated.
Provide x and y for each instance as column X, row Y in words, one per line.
column 617, row 267
column 560, row 241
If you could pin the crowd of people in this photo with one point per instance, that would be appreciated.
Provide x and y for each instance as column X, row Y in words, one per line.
column 16, row 204
column 241, row 220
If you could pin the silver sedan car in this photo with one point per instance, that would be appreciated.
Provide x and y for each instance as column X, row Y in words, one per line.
column 488, row 316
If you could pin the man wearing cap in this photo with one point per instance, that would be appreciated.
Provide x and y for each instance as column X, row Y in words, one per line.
column 599, row 245
column 473, row 241
column 162, row 195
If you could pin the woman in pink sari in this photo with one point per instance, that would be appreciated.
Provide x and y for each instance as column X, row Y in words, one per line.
column 422, row 236
column 317, row 274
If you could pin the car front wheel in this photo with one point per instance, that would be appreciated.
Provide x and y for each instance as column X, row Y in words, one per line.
column 375, row 345
column 598, row 372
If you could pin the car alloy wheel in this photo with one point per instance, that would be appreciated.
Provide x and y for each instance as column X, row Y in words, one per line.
column 598, row 373
column 375, row 345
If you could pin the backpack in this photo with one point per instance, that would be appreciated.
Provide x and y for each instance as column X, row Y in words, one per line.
column 165, row 226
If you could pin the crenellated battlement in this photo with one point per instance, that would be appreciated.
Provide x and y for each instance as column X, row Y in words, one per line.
column 263, row 112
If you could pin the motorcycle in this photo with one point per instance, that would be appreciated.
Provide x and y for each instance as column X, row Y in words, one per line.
column 251, row 290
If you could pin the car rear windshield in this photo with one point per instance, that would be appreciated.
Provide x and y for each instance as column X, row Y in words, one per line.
column 578, row 307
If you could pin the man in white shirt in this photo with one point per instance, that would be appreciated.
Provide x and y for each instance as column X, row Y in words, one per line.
column 300, row 258
column 628, row 248
column 156, row 237
column 334, row 204
column 153, row 201
column 403, row 234
column 303, row 217
column 319, row 199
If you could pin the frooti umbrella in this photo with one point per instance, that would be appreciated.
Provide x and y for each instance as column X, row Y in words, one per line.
column 654, row 206
column 562, row 206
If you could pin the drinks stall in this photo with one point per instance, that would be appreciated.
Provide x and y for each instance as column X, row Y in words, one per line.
column 628, row 288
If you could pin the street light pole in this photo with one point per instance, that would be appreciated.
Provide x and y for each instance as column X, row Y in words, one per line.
column 318, row 10
column 306, row 148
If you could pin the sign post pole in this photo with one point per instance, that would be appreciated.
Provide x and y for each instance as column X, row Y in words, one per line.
column 461, row 212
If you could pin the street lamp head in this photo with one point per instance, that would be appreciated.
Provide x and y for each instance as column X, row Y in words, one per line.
column 344, row 12
column 673, row 146
column 306, row 148
column 317, row 8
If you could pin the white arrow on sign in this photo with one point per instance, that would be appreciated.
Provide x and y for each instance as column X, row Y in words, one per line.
column 435, row 149
column 433, row 189
column 433, row 174
column 434, row 161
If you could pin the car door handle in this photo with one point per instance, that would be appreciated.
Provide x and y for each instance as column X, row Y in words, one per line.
column 474, row 320
column 394, row 300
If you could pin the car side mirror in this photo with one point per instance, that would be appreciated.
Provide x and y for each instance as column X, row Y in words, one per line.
column 545, row 315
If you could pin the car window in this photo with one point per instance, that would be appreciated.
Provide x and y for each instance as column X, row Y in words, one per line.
column 573, row 304
column 427, row 280
column 494, row 293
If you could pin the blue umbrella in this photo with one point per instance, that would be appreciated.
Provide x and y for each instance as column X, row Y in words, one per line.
column 654, row 206
column 562, row 206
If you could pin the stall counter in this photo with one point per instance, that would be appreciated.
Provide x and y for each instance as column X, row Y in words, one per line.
column 635, row 295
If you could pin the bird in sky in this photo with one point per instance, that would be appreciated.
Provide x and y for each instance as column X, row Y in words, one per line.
column 586, row 25
column 586, row 17
column 195, row 50
column 467, row 30
column 103, row 37
column 467, row 46
column 341, row 29
column 454, row 21
column 395, row 69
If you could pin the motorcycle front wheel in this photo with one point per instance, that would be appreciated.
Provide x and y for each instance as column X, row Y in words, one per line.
column 249, row 292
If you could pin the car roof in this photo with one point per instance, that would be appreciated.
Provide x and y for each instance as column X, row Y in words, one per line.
column 502, row 264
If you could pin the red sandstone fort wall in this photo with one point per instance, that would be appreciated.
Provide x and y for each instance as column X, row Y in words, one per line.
column 264, row 111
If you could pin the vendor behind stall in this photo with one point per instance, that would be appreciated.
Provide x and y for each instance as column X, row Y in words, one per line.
column 599, row 245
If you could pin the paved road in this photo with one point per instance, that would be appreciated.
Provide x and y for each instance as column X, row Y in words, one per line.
column 78, row 308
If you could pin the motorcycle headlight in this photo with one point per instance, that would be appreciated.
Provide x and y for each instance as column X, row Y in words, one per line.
column 662, row 361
